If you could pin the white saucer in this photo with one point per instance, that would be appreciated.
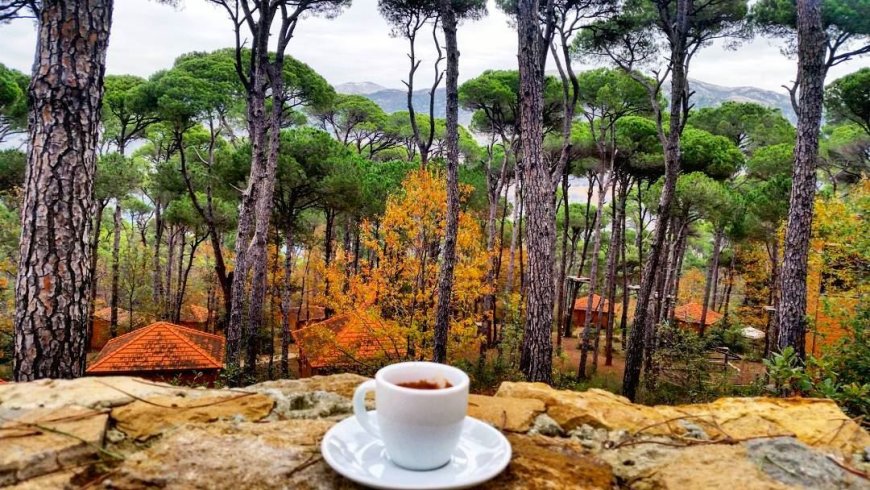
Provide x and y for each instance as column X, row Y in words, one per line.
column 483, row 452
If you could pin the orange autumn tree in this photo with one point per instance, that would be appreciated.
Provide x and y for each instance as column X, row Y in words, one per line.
column 396, row 282
column 839, row 258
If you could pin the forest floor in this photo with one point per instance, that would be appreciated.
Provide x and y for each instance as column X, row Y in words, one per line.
column 740, row 372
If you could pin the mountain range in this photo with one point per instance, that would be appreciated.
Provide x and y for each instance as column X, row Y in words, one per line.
column 706, row 95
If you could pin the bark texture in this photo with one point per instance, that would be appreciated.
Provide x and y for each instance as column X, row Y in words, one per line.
column 116, row 270
column 448, row 260
column 671, row 141
column 53, row 292
column 536, row 361
column 710, row 281
column 791, row 314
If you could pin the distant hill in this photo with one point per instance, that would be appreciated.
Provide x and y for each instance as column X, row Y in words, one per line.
column 706, row 95
column 710, row 95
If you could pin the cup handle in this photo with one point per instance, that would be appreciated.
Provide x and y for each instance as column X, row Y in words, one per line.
column 359, row 408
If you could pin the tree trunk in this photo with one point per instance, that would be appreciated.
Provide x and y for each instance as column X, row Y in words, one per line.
column 714, row 260
column 53, row 288
column 593, row 275
column 670, row 140
column 156, row 268
column 100, row 206
column 116, row 270
column 587, row 232
column 179, row 279
column 563, row 265
column 537, row 354
column 257, row 131
column 812, row 41
column 285, row 301
column 182, row 289
column 612, row 256
column 448, row 261
column 623, row 321
column 170, row 264
column 726, row 300
column 638, row 240
column 774, row 296
column 494, row 185
column 675, row 289
column 515, row 231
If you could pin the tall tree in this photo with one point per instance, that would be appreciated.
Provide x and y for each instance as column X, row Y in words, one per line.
column 53, row 285
column 607, row 96
column 630, row 40
column 262, row 77
column 791, row 316
column 407, row 18
column 451, row 11
column 537, row 352
column 823, row 34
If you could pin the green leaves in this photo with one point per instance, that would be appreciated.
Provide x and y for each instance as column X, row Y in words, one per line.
column 848, row 99
column 714, row 155
column 746, row 124
column 13, row 101
column 779, row 17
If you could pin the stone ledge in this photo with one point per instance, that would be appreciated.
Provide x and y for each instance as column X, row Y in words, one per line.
column 130, row 433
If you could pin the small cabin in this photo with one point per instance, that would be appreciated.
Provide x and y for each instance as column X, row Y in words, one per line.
column 163, row 351
column 353, row 341
column 598, row 317
column 304, row 315
column 194, row 316
column 101, row 332
column 688, row 316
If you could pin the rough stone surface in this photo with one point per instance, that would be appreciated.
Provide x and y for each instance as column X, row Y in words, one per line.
column 793, row 463
column 44, row 441
column 816, row 422
column 233, row 456
column 341, row 384
column 307, row 405
column 544, row 463
column 509, row 414
column 268, row 435
column 706, row 467
column 103, row 392
column 147, row 418
column 546, row 426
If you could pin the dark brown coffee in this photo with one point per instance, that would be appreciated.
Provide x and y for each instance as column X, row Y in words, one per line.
column 425, row 384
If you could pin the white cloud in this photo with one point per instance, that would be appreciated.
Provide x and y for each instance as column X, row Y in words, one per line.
column 356, row 46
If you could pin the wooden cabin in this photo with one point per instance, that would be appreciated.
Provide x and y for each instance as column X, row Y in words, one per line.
column 578, row 315
column 195, row 316
column 101, row 332
column 688, row 316
column 163, row 351
column 352, row 341
column 302, row 316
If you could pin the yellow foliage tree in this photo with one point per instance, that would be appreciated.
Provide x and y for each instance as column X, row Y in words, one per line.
column 398, row 284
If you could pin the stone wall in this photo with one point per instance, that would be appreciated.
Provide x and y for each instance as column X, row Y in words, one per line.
column 128, row 433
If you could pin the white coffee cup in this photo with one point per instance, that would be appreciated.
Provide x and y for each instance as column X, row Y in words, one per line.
column 420, row 428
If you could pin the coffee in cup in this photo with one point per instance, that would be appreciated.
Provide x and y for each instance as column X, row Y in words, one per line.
column 421, row 409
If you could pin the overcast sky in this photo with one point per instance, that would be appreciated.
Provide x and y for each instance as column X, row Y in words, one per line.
column 356, row 46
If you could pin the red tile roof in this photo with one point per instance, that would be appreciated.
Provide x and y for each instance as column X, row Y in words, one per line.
column 691, row 313
column 349, row 339
column 582, row 301
column 161, row 346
